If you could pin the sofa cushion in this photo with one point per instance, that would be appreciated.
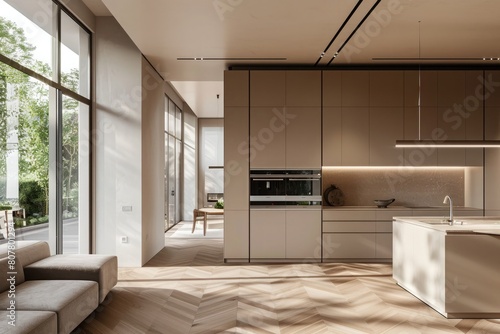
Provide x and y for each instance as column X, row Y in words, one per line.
column 102, row 269
column 6, row 273
column 73, row 301
column 26, row 252
column 29, row 322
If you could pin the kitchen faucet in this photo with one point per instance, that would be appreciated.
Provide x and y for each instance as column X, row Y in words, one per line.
column 448, row 199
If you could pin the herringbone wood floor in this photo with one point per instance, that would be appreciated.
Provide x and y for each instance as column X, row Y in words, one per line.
column 187, row 288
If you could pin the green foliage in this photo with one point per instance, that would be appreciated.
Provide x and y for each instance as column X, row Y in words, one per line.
column 32, row 198
column 219, row 204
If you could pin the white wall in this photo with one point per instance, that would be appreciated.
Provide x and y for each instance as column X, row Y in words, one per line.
column 118, row 149
column 153, row 162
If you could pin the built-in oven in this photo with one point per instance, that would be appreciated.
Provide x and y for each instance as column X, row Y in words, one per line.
column 289, row 187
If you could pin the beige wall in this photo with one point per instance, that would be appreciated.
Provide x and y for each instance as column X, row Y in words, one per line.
column 129, row 156
column 153, row 162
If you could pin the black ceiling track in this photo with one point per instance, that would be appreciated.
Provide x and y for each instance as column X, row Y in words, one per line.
column 438, row 58
column 367, row 67
column 234, row 58
column 355, row 30
column 339, row 31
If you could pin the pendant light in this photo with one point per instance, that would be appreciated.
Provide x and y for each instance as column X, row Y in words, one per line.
column 420, row 143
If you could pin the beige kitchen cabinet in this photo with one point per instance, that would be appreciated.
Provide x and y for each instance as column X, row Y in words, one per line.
column 332, row 136
column 428, row 88
column 383, row 248
column 267, row 234
column 386, row 126
column 355, row 136
column 332, row 89
column 285, row 138
column 236, row 235
column 236, row 171
column 355, row 88
column 303, row 234
column 492, row 92
column 303, row 138
column 473, row 106
column 236, row 92
column 349, row 246
column 285, row 234
column 451, row 88
column 453, row 127
column 303, row 89
column 417, row 157
column 267, row 137
column 267, row 88
column 387, row 88
column 359, row 234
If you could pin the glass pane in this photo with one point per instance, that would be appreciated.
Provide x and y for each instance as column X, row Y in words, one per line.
column 178, row 123
column 166, row 115
column 24, row 155
column 171, row 118
column 189, row 187
column 26, row 34
column 177, row 181
column 167, row 190
column 171, row 181
column 71, row 174
column 74, row 56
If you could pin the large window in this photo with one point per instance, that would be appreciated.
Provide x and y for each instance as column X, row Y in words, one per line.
column 173, row 145
column 44, row 125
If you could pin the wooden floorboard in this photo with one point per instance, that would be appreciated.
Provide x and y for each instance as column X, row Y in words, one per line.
column 186, row 288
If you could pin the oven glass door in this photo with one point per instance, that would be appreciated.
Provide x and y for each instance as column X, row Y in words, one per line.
column 303, row 187
column 267, row 186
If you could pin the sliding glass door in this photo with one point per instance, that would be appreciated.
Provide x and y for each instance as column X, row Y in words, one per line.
column 44, row 125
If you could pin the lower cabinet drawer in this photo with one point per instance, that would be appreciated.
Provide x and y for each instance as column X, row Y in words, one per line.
column 384, row 245
column 349, row 245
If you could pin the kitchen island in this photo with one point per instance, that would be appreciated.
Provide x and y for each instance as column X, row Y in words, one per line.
column 455, row 269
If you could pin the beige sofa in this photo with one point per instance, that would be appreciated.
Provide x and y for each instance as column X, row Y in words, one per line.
column 52, row 294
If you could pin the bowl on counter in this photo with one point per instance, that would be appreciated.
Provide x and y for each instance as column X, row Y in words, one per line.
column 383, row 203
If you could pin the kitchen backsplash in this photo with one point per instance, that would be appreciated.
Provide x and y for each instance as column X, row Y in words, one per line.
column 410, row 187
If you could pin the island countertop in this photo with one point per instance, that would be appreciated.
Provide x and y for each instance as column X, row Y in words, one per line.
column 452, row 268
column 482, row 224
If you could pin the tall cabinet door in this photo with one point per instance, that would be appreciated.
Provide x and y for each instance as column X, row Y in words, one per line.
column 236, row 169
column 267, row 137
column 303, row 137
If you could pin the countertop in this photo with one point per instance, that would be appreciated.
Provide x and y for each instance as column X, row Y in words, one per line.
column 398, row 208
column 483, row 225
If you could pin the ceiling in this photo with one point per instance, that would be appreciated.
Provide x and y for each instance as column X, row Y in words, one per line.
column 181, row 38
